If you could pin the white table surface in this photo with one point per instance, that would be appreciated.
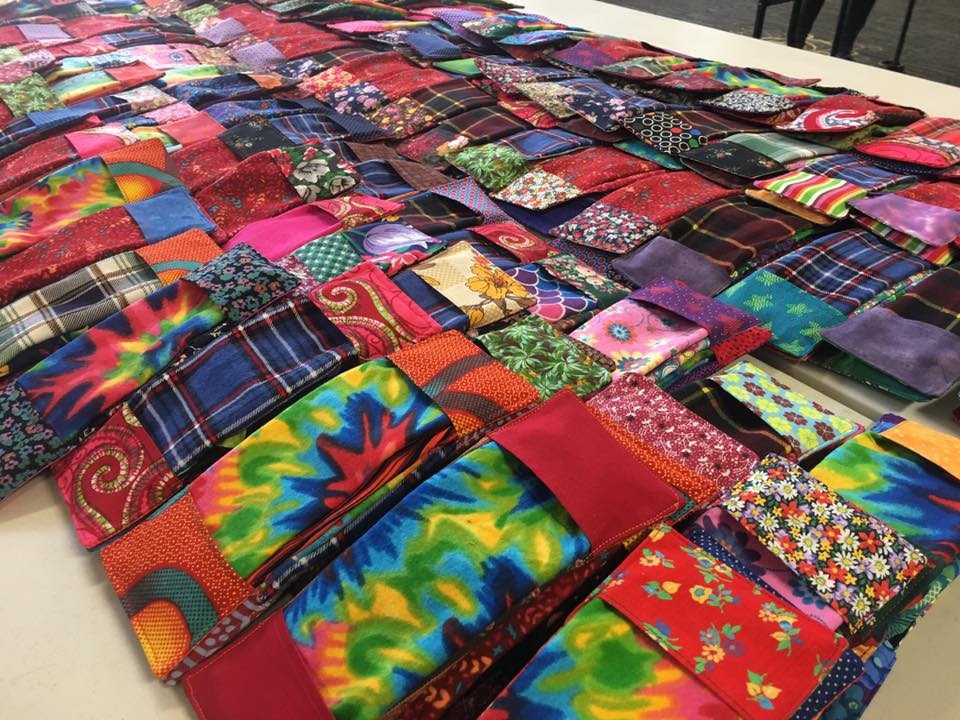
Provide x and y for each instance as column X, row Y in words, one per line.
column 67, row 651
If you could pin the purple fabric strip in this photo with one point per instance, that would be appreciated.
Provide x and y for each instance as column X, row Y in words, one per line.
column 665, row 258
column 919, row 355
column 720, row 320
column 933, row 224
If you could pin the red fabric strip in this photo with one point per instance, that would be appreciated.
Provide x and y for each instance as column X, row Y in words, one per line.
column 607, row 490
column 260, row 676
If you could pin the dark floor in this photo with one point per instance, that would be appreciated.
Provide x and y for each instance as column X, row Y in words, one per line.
column 932, row 48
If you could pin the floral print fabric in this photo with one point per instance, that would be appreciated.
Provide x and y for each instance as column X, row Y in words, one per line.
column 804, row 423
column 315, row 172
column 545, row 357
column 852, row 560
column 608, row 227
column 761, row 657
column 715, row 460
column 242, row 281
column 481, row 290
column 601, row 288
column 637, row 336
column 716, row 525
column 600, row 665
column 538, row 190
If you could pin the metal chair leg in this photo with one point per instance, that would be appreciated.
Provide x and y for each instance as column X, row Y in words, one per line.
column 759, row 18
column 895, row 64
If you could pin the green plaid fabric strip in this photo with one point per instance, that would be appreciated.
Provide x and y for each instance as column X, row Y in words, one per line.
column 782, row 148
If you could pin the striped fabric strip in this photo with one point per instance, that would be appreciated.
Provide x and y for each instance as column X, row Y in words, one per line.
column 827, row 195
column 942, row 255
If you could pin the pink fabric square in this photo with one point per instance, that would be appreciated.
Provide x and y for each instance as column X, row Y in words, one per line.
column 281, row 235
column 638, row 337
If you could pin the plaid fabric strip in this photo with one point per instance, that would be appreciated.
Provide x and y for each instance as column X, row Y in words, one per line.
column 738, row 234
column 307, row 126
column 83, row 298
column 539, row 144
column 434, row 214
column 858, row 172
column 934, row 300
column 240, row 379
column 779, row 147
column 450, row 98
column 485, row 123
column 848, row 268
column 380, row 179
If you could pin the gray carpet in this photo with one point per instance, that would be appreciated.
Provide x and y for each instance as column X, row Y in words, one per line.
column 932, row 49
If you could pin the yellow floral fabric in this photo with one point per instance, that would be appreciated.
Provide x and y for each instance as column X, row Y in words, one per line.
column 484, row 292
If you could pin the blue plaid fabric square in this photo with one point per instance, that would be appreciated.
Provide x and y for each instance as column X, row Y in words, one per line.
column 849, row 268
column 240, row 379
column 858, row 172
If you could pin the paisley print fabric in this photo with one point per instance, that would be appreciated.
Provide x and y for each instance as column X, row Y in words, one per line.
column 373, row 312
column 395, row 237
column 516, row 239
column 117, row 477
